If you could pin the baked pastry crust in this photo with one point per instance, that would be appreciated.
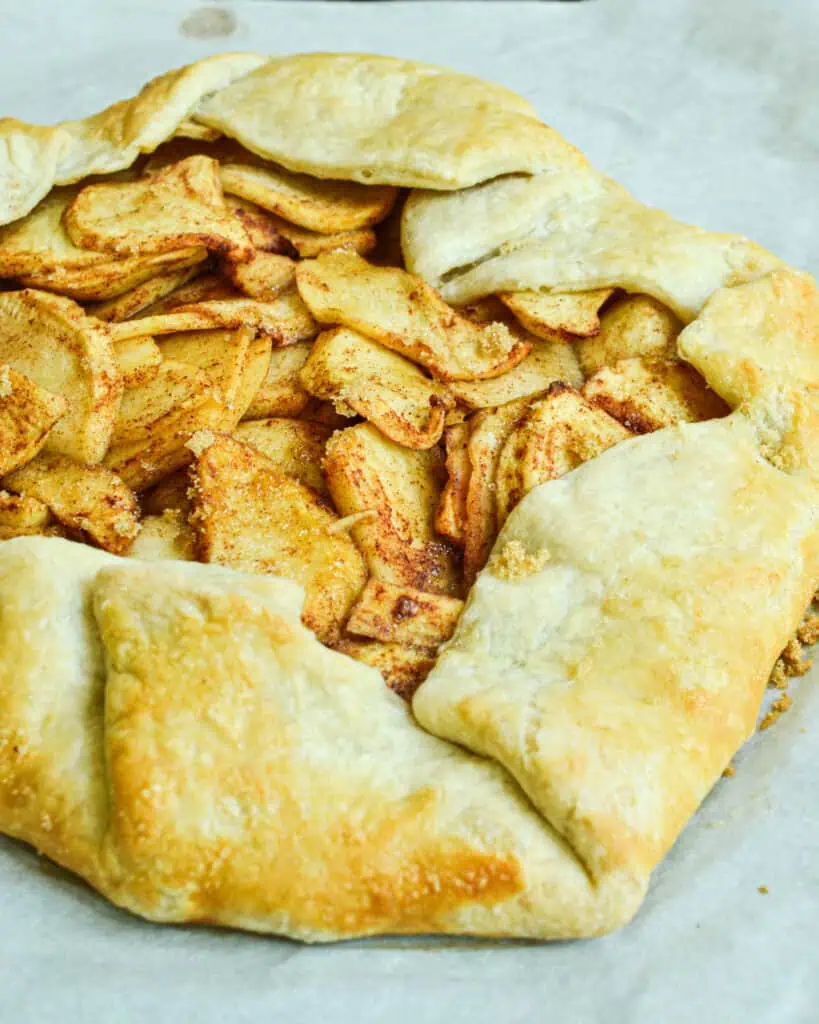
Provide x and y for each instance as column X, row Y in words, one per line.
column 675, row 568
column 204, row 758
column 570, row 229
column 383, row 121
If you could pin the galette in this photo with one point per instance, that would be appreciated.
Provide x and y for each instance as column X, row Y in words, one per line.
column 400, row 523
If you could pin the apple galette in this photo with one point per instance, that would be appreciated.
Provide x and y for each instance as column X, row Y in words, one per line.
column 400, row 521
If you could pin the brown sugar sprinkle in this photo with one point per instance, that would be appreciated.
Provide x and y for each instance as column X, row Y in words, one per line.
column 792, row 661
column 808, row 632
column 729, row 771
column 792, row 658
column 778, row 708
column 495, row 340
column 779, row 677
column 513, row 562
column 763, row 889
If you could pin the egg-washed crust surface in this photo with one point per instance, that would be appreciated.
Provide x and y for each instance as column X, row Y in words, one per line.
column 384, row 121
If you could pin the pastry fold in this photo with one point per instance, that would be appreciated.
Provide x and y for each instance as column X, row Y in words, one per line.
column 172, row 733
column 570, row 229
column 378, row 120
column 613, row 654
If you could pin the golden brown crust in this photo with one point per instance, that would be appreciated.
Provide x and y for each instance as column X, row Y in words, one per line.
column 567, row 231
column 759, row 337
column 33, row 158
column 625, row 663
column 266, row 828
column 402, row 123
column 492, row 130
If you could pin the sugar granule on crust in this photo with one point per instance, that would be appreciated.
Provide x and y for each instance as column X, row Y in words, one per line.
column 513, row 562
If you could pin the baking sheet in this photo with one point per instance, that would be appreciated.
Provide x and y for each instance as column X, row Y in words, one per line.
column 706, row 109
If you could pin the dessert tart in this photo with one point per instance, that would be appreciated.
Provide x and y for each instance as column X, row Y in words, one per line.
column 400, row 521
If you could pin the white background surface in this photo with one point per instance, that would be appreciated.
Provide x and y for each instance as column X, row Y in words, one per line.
column 705, row 107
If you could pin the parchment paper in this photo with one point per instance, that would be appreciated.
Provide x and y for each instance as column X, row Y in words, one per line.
column 707, row 108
